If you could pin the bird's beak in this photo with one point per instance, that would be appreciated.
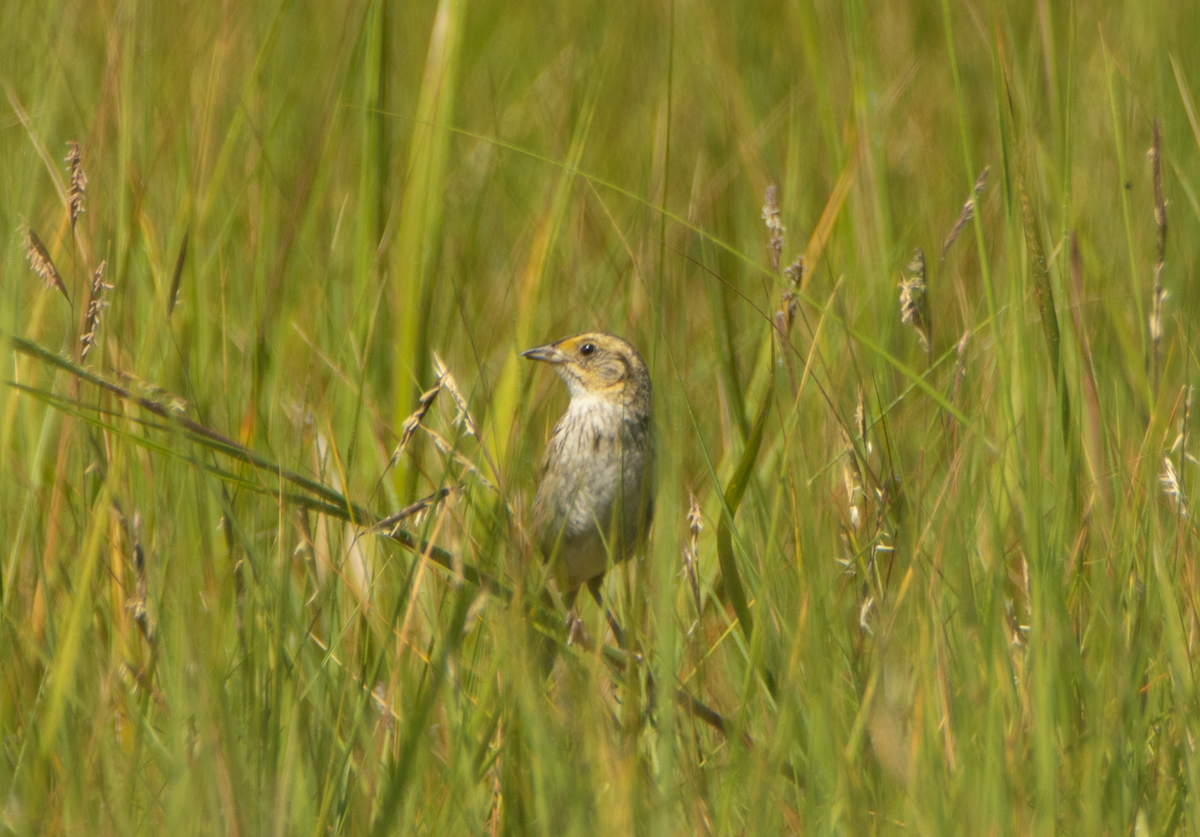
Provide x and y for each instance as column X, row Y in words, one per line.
column 548, row 353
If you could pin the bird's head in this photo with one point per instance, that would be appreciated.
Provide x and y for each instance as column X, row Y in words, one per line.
column 599, row 365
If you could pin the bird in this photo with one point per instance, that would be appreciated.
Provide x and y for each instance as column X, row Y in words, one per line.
column 595, row 497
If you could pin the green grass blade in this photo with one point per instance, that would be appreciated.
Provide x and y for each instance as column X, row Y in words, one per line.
column 734, row 492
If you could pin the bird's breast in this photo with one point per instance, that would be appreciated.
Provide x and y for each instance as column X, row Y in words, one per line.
column 594, row 478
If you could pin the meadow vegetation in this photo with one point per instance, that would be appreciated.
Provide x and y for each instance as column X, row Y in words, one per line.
column 914, row 283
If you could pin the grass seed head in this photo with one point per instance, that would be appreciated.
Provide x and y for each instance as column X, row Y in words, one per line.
column 1185, row 419
column 410, row 425
column 42, row 264
column 77, row 191
column 914, row 303
column 1156, row 320
column 1160, row 205
column 1160, row 223
column 695, row 523
column 96, row 305
column 1170, row 486
column 462, row 413
column 775, row 226
column 968, row 210
column 860, row 422
column 852, row 477
column 137, row 603
column 960, row 365
column 790, row 300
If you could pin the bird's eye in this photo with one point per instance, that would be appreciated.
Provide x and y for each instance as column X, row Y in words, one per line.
column 587, row 348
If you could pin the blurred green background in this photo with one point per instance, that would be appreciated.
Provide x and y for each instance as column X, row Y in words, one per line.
column 947, row 591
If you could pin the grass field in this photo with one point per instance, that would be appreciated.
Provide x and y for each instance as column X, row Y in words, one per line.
column 939, row 577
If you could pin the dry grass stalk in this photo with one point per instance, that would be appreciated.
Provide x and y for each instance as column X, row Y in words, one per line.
column 42, row 264
column 77, row 191
column 968, row 210
column 695, row 522
column 96, row 305
column 914, row 299
column 775, row 226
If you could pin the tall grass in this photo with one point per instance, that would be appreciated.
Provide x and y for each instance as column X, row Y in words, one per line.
column 935, row 582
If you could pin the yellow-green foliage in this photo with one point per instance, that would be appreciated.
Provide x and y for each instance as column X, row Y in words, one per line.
column 946, row 581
